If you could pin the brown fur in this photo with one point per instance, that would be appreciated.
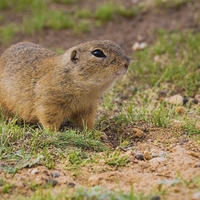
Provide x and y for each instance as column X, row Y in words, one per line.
column 41, row 86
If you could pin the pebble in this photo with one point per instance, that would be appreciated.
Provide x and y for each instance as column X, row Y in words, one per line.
column 102, row 162
column 180, row 110
column 147, row 155
column 183, row 141
column 162, row 153
column 71, row 185
column 195, row 101
column 176, row 99
column 196, row 196
column 194, row 154
column 155, row 197
column 139, row 46
column 138, row 132
column 93, row 180
column 55, row 174
column 139, row 156
column 34, row 171
column 197, row 165
column 129, row 153
column 143, row 45
column 52, row 182
column 135, row 1
column 185, row 100
column 157, row 160
column 197, row 126
column 197, row 97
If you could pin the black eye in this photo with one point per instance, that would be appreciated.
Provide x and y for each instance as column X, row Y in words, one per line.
column 98, row 53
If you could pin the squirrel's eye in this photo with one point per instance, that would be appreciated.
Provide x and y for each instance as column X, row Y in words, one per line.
column 98, row 53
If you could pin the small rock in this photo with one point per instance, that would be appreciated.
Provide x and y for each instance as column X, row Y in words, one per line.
column 154, row 155
column 94, row 180
column 194, row 154
column 155, row 197
column 140, row 38
column 139, row 156
column 136, row 46
column 147, row 155
column 197, row 165
column 55, row 174
column 156, row 58
column 197, row 97
column 185, row 100
column 169, row 182
column 183, row 141
column 196, row 196
column 102, row 162
column 177, row 190
column 176, row 99
column 135, row 1
column 138, row 132
column 162, row 153
column 143, row 45
column 139, row 46
column 195, row 101
column 52, row 182
column 129, row 153
column 71, row 185
column 157, row 160
column 197, row 125
column 180, row 110
column 34, row 171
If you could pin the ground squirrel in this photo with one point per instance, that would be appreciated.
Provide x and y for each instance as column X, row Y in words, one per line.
column 38, row 85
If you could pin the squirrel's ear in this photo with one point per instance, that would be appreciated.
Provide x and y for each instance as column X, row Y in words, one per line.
column 74, row 56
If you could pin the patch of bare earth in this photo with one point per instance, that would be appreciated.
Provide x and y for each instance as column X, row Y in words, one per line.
column 161, row 159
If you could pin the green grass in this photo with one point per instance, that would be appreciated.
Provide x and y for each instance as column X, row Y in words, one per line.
column 128, row 12
column 82, row 27
column 4, row 4
column 39, row 15
column 102, row 193
column 170, row 3
column 109, row 10
column 105, row 12
column 65, row 1
column 173, row 59
column 22, row 5
column 7, row 33
column 93, row 193
column 26, row 147
column 116, row 159
column 84, row 13
column 34, row 24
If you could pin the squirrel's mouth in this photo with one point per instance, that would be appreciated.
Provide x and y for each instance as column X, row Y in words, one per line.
column 121, row 72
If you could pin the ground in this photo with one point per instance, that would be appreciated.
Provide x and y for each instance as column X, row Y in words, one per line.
column 144, row 157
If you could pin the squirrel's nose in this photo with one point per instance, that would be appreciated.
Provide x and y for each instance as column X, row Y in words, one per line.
column 127, row 63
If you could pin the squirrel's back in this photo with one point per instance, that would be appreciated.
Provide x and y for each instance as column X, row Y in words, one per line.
column 24, row 54
column 20, row 69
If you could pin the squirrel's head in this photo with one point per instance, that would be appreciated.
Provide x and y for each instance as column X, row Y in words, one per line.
column 97, row 62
